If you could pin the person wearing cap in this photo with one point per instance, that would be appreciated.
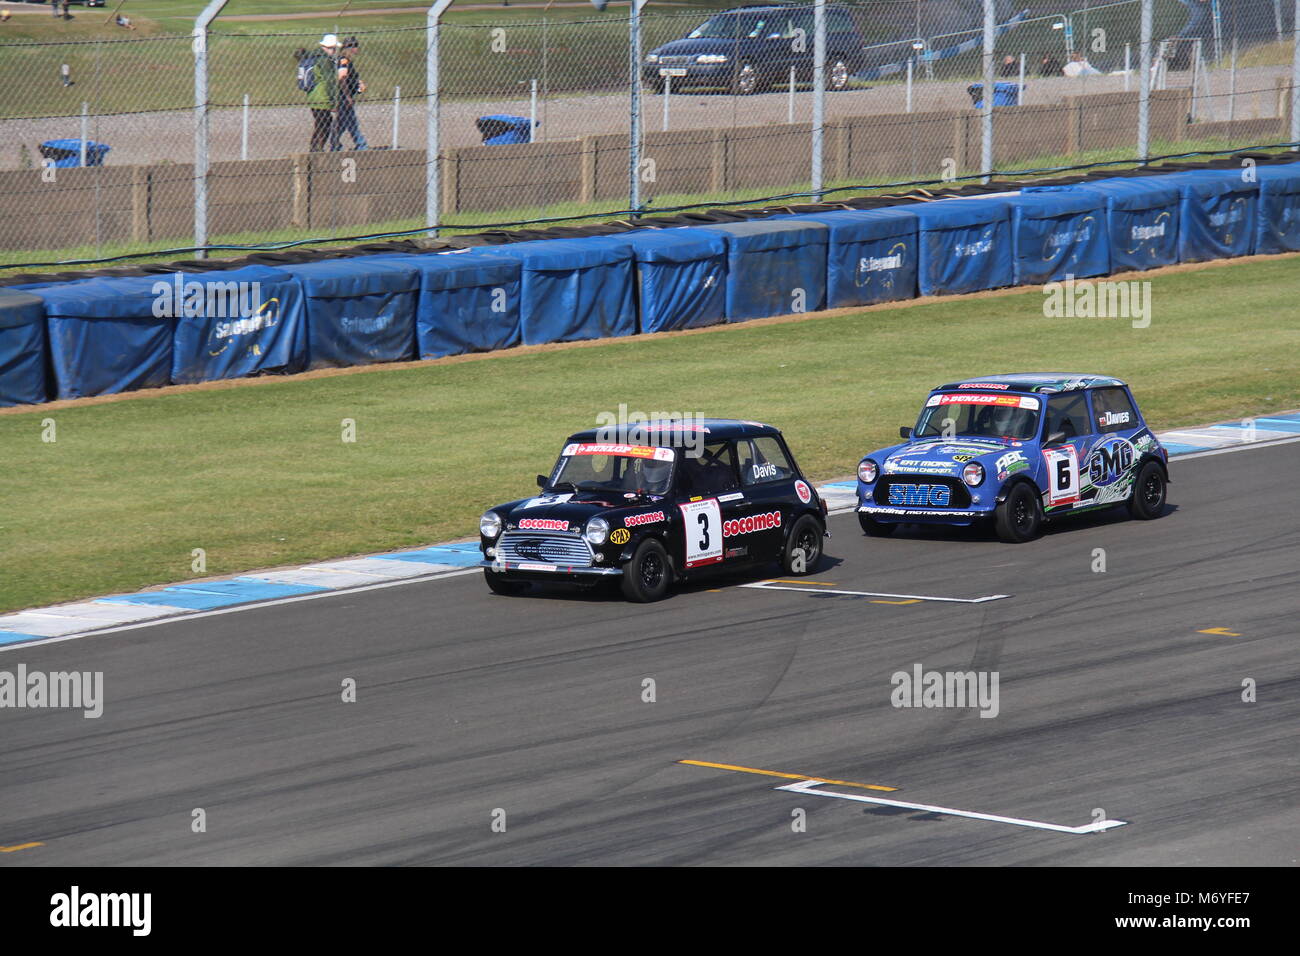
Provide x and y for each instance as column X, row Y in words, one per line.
column 323, row 97
column 350, row 87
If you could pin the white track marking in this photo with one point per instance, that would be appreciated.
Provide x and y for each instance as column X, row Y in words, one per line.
column 766, row 586
column 810, row 786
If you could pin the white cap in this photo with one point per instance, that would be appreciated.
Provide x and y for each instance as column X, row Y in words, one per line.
column 329, row 39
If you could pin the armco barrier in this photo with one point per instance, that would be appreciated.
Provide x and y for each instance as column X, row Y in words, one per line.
column 1056, row 235
column 1217, row 214
column 107, row 333
column 105, row 337
column 774, row 267
column 358, row 312
column 1141, row 220
column 235, row 323
column 468, row 302
column 965, row 246
column 22, row 348
column 573, row 289
column 1277, row 217
column 871, row 254
column 681, row 278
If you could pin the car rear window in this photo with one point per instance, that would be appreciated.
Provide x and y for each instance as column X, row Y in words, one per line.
column 1113, row 410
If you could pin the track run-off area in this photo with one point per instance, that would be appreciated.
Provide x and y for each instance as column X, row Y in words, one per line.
column 1147, row 695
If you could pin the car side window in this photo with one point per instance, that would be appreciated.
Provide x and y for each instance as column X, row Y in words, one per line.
column 712, row 472
column 763, row 460
column 1067, row 413
column 1112, row 410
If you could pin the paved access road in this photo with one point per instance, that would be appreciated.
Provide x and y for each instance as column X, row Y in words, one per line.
column 1110, row 698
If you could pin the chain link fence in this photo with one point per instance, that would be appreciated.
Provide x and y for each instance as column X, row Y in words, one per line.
column 535, row 113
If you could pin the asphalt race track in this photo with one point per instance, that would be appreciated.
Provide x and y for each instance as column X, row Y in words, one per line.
column 1111, row 699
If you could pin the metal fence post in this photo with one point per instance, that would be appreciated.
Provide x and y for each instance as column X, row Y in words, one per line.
column 1144, row 83
column 432, row 180
column 200, row 46
column 986, row 138
column 819, row 95
column 1295, row 78
column 634, row 89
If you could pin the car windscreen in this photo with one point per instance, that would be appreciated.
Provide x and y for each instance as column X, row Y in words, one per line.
column 729, row 27
column 979, row 414
column 594, row 466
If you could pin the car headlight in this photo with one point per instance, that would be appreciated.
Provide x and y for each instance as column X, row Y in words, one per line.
column 597, row 531
column 652, row 58
column 973, row 473
column 867, row 471
column 489, row 526
column 711, row 58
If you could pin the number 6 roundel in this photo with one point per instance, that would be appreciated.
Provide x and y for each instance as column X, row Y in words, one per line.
column 702, row 532
column 1062, row 475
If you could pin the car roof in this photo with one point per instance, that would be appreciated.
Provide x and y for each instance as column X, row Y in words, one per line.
column 714, row 429
column 1037, row 381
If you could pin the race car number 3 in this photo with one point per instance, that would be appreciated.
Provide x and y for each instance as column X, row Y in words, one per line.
column 703, row 532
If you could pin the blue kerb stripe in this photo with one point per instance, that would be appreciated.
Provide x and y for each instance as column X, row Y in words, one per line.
column 1177, row 448
column 206, row 595
column 464, row 557
column 840, row 484
column 14, row 637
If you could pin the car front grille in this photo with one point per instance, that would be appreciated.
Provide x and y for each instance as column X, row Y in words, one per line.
column 546, row 547
column 915, row 497
column 676, row 60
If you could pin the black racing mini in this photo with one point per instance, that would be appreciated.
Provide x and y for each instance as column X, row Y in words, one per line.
column 690, row 498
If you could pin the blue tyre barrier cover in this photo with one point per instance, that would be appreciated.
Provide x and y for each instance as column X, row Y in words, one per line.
column 22, row 348
column 1141, row 219
column 468, row 302
column 1217, row 214
column 1056, row 235
column 965, row 245
column 358, row 312
column 774, row 267
column 871, row 255
column 573, row 289
column 681, row 278
column 235, row 323
column 1277, row 217
column 105, row 337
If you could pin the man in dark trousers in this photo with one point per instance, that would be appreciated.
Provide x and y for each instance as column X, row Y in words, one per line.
column 323, row 97
column 350, row 87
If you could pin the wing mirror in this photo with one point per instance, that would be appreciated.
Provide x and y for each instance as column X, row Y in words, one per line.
column 541, row 481
column 904, row 432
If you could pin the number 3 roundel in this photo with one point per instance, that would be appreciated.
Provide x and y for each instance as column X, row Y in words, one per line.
column 702, row 531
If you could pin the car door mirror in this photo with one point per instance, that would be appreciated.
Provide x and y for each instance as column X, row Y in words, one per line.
column 1055, row 438
column 904, row 432
column 541, row 481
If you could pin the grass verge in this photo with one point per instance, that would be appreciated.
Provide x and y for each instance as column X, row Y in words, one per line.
column 259, row 476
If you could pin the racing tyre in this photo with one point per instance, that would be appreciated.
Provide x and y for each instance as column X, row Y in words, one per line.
column 1020, row 517
column 1148, row 499
column 805, row 539
column 500, row 584
column 646, row 576
column 875, row 529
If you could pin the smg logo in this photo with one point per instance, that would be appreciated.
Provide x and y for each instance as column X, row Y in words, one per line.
column 919, row 496
column 1109, row 461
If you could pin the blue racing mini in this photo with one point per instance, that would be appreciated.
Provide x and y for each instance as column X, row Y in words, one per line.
column 1016, row 449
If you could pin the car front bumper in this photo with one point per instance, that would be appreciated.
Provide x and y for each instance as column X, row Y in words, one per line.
column 541, row 571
